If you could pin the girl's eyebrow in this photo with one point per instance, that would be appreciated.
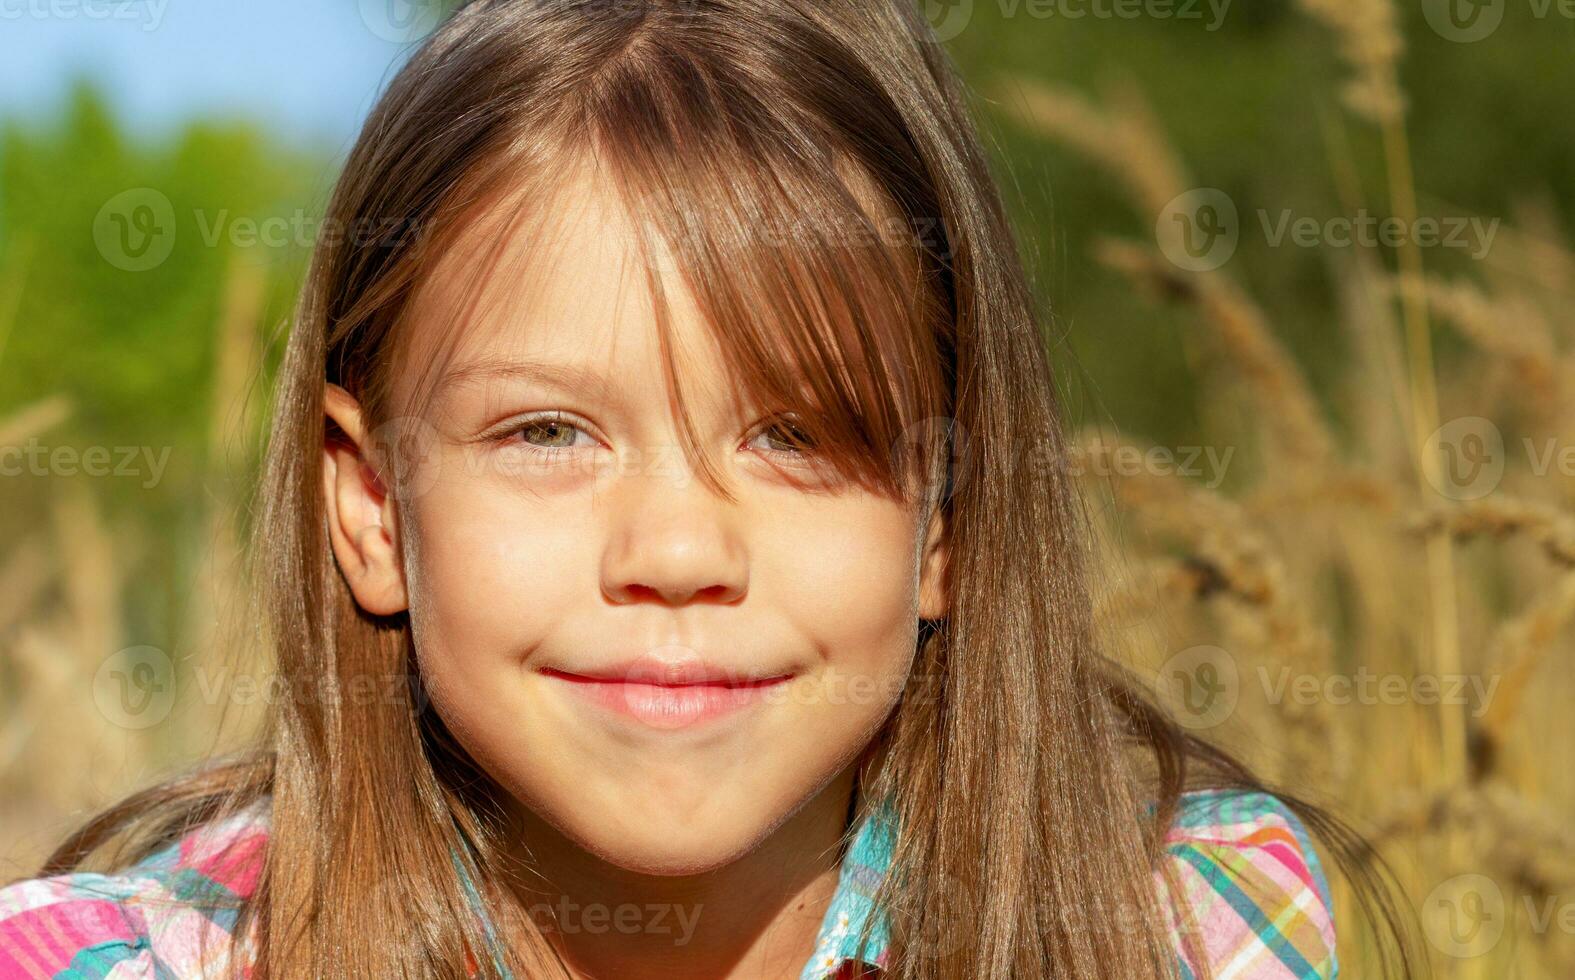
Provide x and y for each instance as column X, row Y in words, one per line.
column 564, row 377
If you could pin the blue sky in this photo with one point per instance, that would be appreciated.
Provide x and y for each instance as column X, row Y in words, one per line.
column 309, row 70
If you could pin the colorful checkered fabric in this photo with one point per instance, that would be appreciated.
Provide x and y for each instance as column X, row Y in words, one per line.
column 1248, row 889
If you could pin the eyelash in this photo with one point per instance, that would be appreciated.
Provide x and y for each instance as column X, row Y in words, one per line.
column 788, row 421
column 514, row 433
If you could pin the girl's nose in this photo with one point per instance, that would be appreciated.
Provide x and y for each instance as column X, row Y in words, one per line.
column 673, row 544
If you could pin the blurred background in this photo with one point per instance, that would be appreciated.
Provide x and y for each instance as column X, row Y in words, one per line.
column 1312, row 297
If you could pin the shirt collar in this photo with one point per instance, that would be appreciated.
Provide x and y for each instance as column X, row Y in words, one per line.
column 864, row 865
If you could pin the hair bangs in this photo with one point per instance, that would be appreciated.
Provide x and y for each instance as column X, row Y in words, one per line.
column 822, row 299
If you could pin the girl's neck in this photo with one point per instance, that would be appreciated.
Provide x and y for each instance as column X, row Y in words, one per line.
column 757, row 917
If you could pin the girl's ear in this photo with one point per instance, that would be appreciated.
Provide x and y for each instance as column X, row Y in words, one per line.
column 933, row 602
column 361, row 525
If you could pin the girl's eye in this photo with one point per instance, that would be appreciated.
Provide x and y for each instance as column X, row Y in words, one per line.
column 782, row 436
column 548, row 432
column 552, row 433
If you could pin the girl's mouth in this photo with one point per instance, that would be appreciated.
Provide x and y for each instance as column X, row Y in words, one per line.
column 670, row 706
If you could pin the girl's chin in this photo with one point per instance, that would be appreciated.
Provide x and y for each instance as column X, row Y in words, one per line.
column 665, row 833
column 676, row 851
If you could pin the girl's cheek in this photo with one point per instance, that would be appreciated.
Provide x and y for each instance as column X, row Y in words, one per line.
column 848, row 578
column 498, row 566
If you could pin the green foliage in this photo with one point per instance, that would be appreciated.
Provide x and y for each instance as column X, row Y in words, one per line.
column 1245, row 106
column 135, row 350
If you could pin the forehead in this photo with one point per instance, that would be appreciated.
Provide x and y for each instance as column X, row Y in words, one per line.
column 555, row 275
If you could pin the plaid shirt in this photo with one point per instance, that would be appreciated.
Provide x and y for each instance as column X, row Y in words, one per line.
column 1250, row 888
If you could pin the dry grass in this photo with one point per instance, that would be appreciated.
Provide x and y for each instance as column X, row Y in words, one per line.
column 1331, row 558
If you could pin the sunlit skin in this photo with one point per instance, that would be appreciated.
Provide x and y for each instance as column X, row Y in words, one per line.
column 557, row 527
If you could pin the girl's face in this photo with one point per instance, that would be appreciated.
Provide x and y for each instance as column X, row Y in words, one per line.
column 661, row 674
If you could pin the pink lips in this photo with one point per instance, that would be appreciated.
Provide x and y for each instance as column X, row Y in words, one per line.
column 669, row 689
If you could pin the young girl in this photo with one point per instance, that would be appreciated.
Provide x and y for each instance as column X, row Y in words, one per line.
column 659, row 582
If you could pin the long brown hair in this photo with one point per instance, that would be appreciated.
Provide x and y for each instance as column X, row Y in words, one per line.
column 1032, row 780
